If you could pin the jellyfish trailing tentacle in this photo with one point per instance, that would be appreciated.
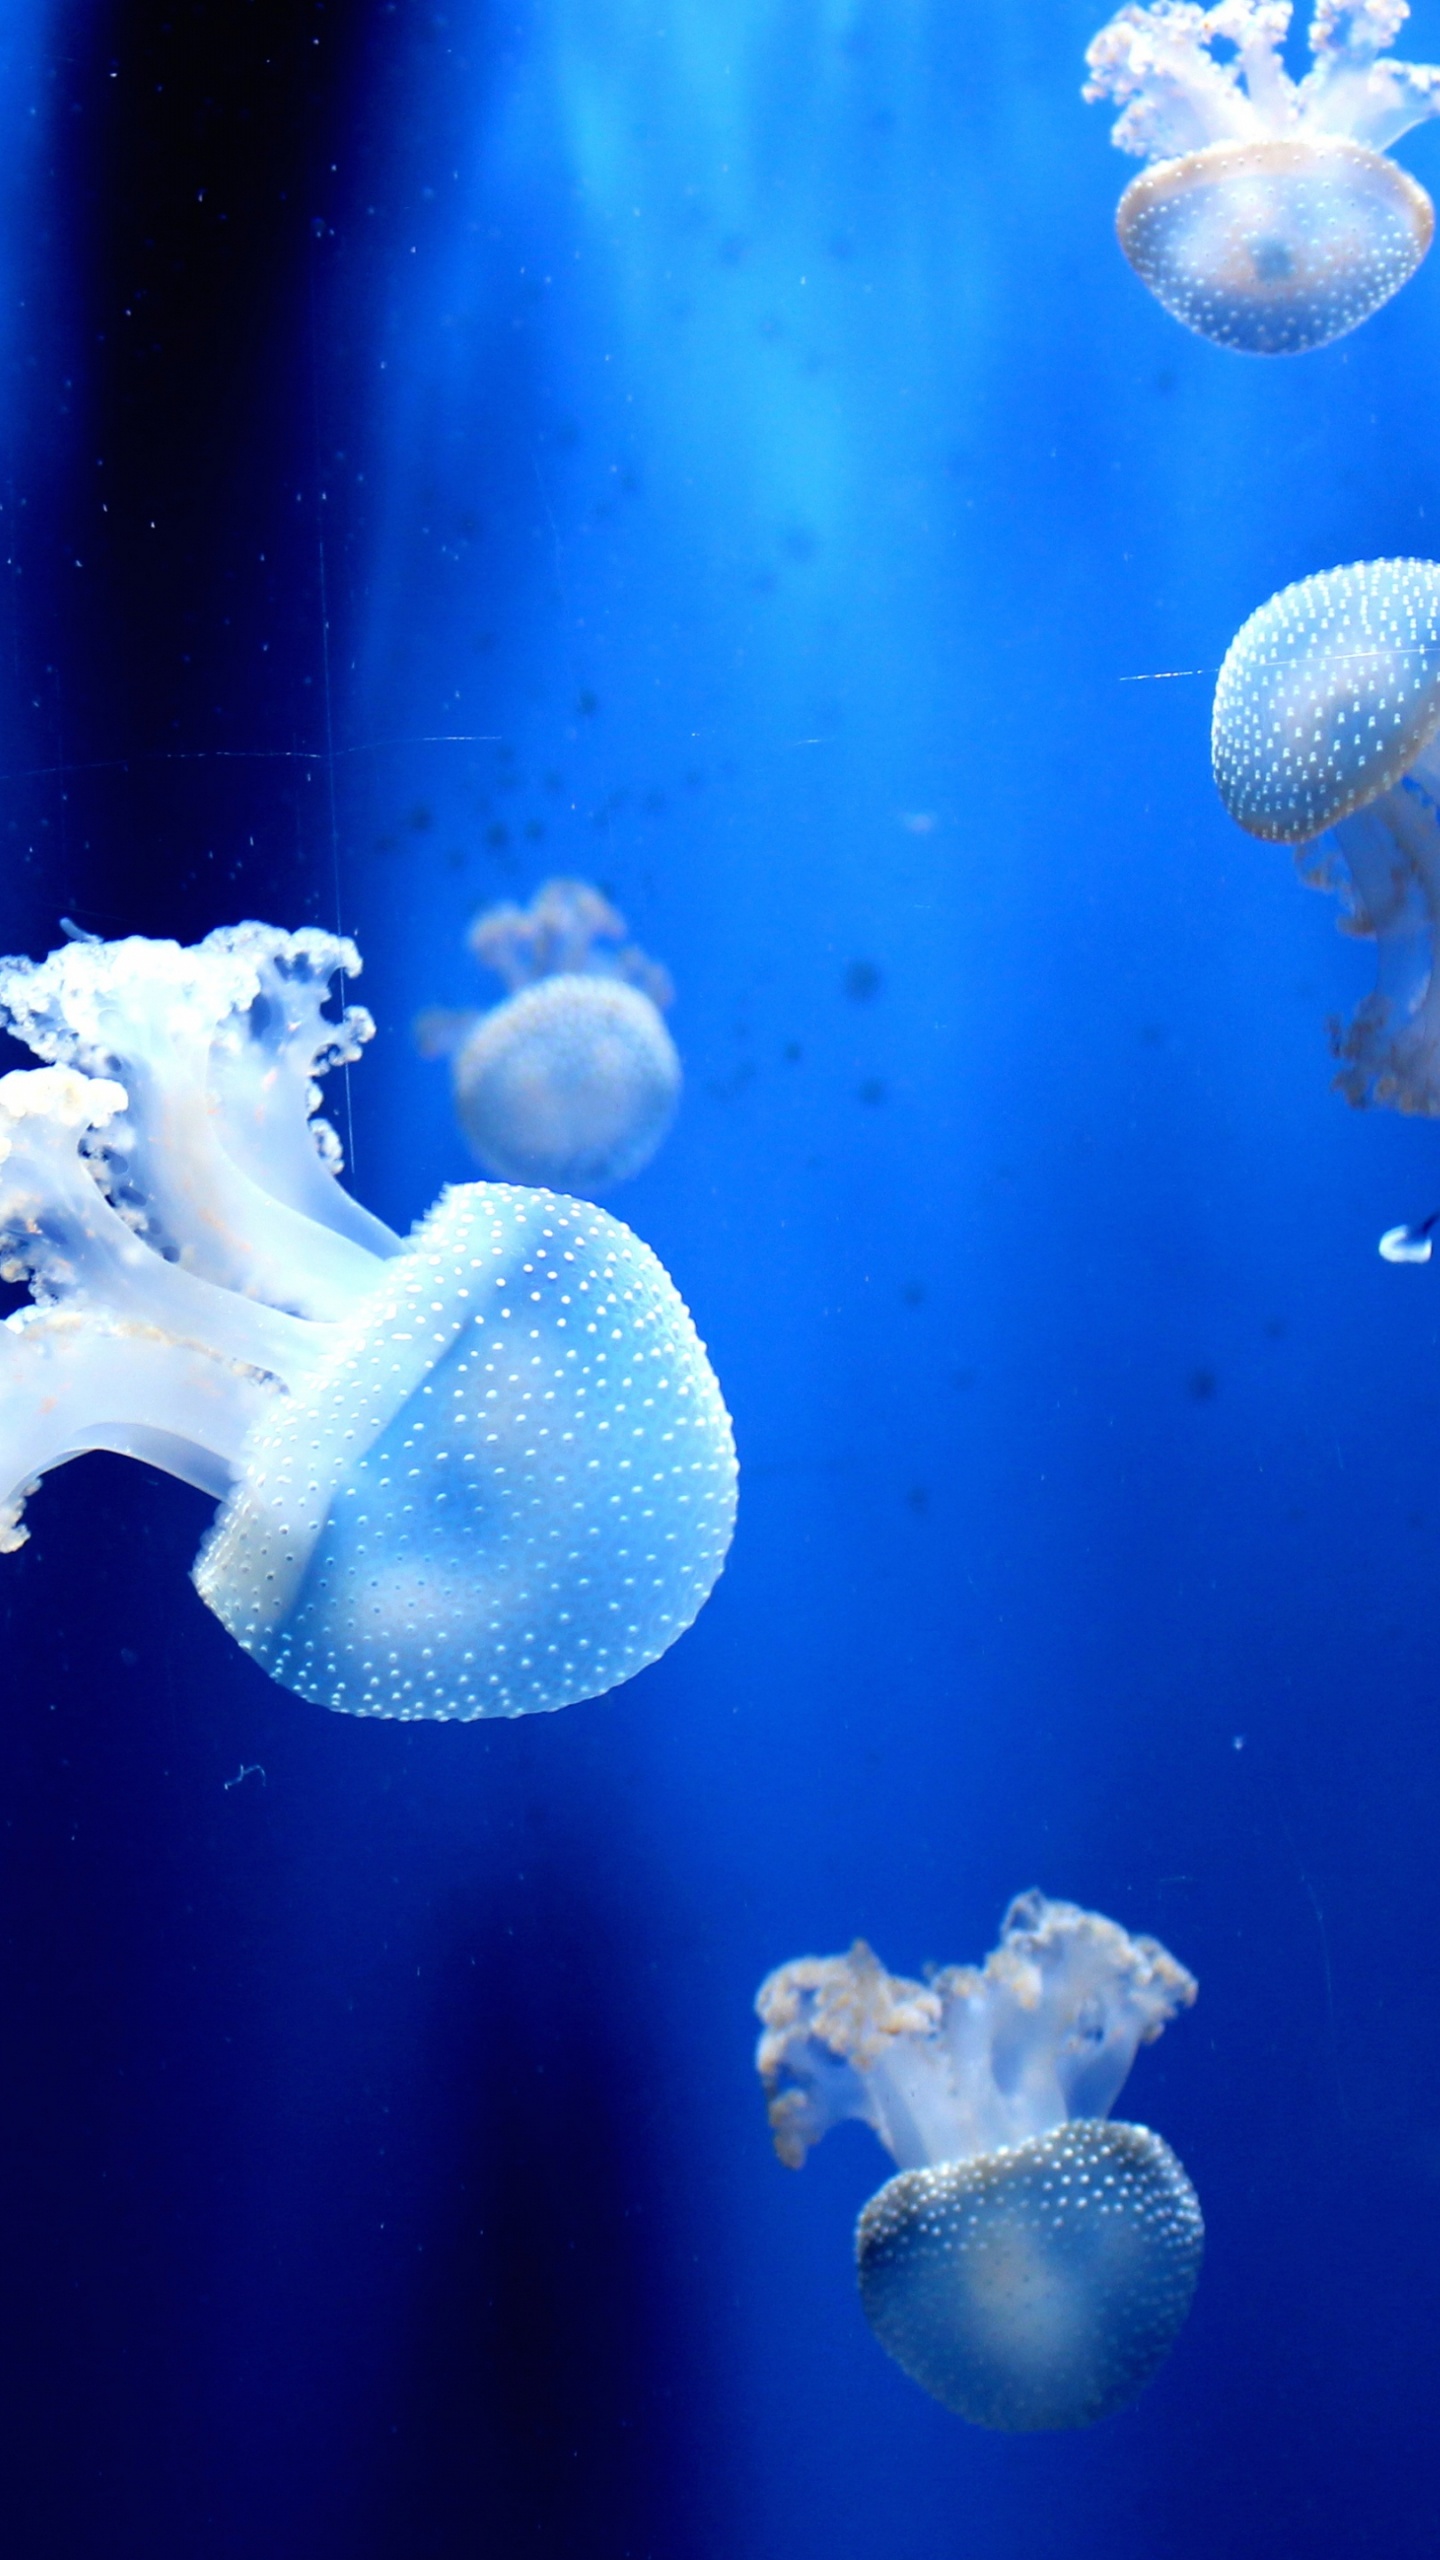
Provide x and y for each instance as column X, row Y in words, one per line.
column 480, row 1471
column 1031, row 2263
column 1325, row 735
column 574, row 1079
column 1270, row 218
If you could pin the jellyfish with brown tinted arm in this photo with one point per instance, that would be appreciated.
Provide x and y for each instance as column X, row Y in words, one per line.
column 1031, row 2263
column 574, row 1079
column 1271, row 218
column 1325, row 736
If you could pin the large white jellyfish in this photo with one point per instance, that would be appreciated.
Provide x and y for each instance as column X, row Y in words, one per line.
column 480, row 1471
column 1031, row 2264
column 1326, row 735
column 574, row 1079
column 1271, row 219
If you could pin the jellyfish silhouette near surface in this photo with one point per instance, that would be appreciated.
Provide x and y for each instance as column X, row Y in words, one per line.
column 1271, row 219
column 574, row 1079
column 1326, row 736
column 1032, row 2263
column 480, row 1471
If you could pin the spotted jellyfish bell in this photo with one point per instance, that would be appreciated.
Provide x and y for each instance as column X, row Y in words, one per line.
column 484, row 1470
column 1031, row 2264
column 1271, row 218
column 1326, row 736
column 573, row 1080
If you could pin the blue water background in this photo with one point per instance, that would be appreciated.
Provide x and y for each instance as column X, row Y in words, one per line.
column 723, row 454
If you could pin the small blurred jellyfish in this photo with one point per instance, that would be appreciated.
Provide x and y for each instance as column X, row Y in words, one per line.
column 1326, row 736
column 481, row 1471
column 1410, row 1243
column 1031, row 2264
column 1271, row 220
column 574, row 1080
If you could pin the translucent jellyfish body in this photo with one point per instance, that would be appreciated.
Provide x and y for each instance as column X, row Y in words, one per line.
column 1326, row 736
column 1271, row 219
column 479, row 1472
column 573, row 1080
column 1031, row 2264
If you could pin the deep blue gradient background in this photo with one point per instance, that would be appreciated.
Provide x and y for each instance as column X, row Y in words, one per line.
column 720, row 451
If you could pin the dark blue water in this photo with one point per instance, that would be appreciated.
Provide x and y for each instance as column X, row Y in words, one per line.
column 721, row 453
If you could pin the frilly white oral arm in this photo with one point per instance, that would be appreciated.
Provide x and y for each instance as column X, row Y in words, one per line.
column 978, row 2060
column 1257, row 29
column 71, row 1382
column 60, row 1233
column 265, row 1065
column 1069, row 1998
column 217, row 1048
column 836, row 2032
column 1351, row 90
column 162, row 1223
column 125, row 1351
column 568, row 930
column 1155, row 63
column 1158, row 65
column 554, row 936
